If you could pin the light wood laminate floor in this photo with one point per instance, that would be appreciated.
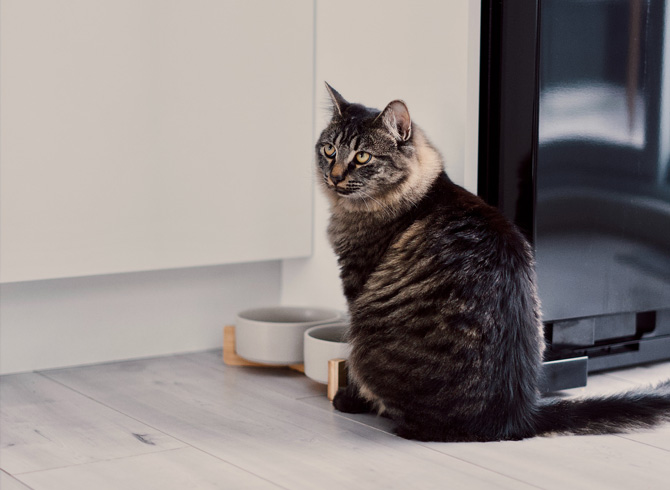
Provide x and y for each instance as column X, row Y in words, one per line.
column 189, row 421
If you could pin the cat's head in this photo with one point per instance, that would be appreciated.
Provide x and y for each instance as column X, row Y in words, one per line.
column 369, row 159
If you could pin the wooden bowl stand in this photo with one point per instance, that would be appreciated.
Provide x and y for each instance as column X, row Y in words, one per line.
column 337, row 369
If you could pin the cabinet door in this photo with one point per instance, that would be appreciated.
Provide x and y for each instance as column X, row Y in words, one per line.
column 154, row 134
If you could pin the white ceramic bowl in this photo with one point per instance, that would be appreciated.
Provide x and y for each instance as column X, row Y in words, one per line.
column 274, row 335
column 323, row 343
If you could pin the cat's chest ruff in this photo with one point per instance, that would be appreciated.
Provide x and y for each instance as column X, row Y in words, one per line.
column 360, row 245
column 357, row 236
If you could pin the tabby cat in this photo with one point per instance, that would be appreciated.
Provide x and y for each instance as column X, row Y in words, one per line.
column 446, row 331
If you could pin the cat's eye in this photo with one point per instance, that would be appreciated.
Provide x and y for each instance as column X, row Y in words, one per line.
column 329, row 150
column 363, row 157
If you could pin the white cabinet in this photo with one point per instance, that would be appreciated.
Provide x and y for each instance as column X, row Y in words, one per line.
column 153, row 134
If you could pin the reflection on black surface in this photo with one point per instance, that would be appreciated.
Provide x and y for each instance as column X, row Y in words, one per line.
column 603, row 186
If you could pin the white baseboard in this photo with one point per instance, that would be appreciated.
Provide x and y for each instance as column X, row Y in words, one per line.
column 66, row 322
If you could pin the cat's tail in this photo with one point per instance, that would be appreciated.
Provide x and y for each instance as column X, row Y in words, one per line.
column 637, row 409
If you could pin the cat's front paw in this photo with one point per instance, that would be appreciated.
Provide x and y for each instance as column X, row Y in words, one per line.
column 348, row 400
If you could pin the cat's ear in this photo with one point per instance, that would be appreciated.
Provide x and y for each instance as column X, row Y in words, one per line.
column 339, row 104
column 396, row 119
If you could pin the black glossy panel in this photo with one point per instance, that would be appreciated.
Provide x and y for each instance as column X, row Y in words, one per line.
column 573, row 333
column 508, row 108
column 562, row 374
column 602, row 215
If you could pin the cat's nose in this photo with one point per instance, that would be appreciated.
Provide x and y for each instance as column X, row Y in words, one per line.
column 336, row 178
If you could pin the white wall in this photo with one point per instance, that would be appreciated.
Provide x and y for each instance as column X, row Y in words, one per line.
column 425, row 52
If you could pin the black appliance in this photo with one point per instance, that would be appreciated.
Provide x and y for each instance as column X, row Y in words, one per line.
column 574, row 146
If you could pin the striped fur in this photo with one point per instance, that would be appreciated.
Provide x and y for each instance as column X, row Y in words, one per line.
column 446, row 331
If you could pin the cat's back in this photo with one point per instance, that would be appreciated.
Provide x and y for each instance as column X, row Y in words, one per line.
column 453, row 235
column 459, row 262
column 462, row 224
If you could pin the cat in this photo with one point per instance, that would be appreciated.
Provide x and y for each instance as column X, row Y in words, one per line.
column 446, row 331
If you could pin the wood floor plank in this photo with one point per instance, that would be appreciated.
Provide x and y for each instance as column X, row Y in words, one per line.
column 286, row 381
column 576, row 462
column 600, row 384
column 46, row 425
column 659, row 437
column 176, row 469
column 230, row 414
column 645, row 374
column 371, row 420
column 8, row 482
column 277, row 426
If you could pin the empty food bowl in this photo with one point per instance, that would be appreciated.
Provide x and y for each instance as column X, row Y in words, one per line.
column 323, row 343
column 275, row 335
